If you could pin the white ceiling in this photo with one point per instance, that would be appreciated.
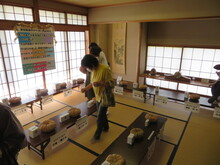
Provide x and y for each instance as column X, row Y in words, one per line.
column 100, row 3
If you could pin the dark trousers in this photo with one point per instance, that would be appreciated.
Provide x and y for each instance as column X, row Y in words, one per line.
column 102, row 121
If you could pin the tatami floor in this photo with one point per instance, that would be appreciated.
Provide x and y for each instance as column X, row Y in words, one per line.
column 189, row 138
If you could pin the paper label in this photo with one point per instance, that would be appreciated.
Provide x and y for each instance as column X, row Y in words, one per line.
column 118, row 90
column 193, row 107
column 138, row 95
column 204, row 80
column 47, row 99
column 216, row 113
column 67, row 92
column 119, row 78
column 59, row 138
column 82, row 122
column 161, row 99
column 20, row 109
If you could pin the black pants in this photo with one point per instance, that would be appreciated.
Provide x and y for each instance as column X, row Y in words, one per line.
column 102, row 121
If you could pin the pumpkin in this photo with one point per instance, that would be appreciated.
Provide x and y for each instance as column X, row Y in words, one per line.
column 74, row 112
column 194, row 98
column 14, row 100
column 152, row 118
column 80, row 80
column 116, row 159
column 138, row 132
column 63, row 85
column 47, row 126
column 177, row 75
column 142, row 86
column 153, row 72
column 123, row 83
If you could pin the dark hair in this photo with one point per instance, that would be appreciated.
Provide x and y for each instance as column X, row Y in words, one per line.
column 89, row 61
column 93, row 44
column 95, row 50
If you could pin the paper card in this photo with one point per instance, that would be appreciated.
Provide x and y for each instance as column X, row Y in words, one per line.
column 19, row 109
column 119, row 78
column 138, row 95
column 82, row 122
column 106, row 163
column 193, row 107
column 47, row 99
column 118, row 90
column 204, row 80
column 67, row 92
column 161, row 99
column 59, row 138
column 216, row 113
column 135, row 85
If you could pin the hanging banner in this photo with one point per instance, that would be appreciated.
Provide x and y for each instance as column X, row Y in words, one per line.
column 36, row 46
column 119, row 45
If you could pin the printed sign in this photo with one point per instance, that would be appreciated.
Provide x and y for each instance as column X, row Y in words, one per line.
column 193, row 107
column 135, row 85
column 138, row 95
column 82, row 122
column 118, row 90
column 216, row 113
column 204, row 80
column 36, row 46
column 119, row 78
column 161, row 99
column 47, row 99
column 59, row 138
column 19, row 109
column 67, row 92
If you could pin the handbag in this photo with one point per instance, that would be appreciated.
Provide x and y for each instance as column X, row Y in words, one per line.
column 108, row 98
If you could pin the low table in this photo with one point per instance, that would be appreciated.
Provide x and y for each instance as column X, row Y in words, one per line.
column 29, row 103
column 39, row 143
column 177, row 96
column 141, row 150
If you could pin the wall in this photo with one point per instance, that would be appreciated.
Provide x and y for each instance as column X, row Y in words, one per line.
column 102, row 34
column 202, row 33
column 155, row 11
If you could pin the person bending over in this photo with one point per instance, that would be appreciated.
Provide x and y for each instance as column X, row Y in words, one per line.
column 102, row 84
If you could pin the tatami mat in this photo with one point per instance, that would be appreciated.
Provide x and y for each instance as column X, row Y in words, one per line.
column 84, row 137
column 28, row 117
column 161, row 153
column 173, row 130
column 66, row 154
column 170, row 109
column 73, row 100
column 123, row 115
column 200, row 144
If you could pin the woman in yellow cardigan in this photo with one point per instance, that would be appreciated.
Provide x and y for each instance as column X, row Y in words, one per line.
column 102, row 84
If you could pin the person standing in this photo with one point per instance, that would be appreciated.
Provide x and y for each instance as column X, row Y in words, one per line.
column 12, row 137
column 102, row 84
column 95, row 49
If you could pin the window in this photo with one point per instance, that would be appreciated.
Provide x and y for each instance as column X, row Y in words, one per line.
column 193, row 62
column 19, row 84
column 77, row 51
column 69, row 50
column 59, row 18
column 25, row 85
column 75, row 19
column 52, row 17
column 15, row 13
